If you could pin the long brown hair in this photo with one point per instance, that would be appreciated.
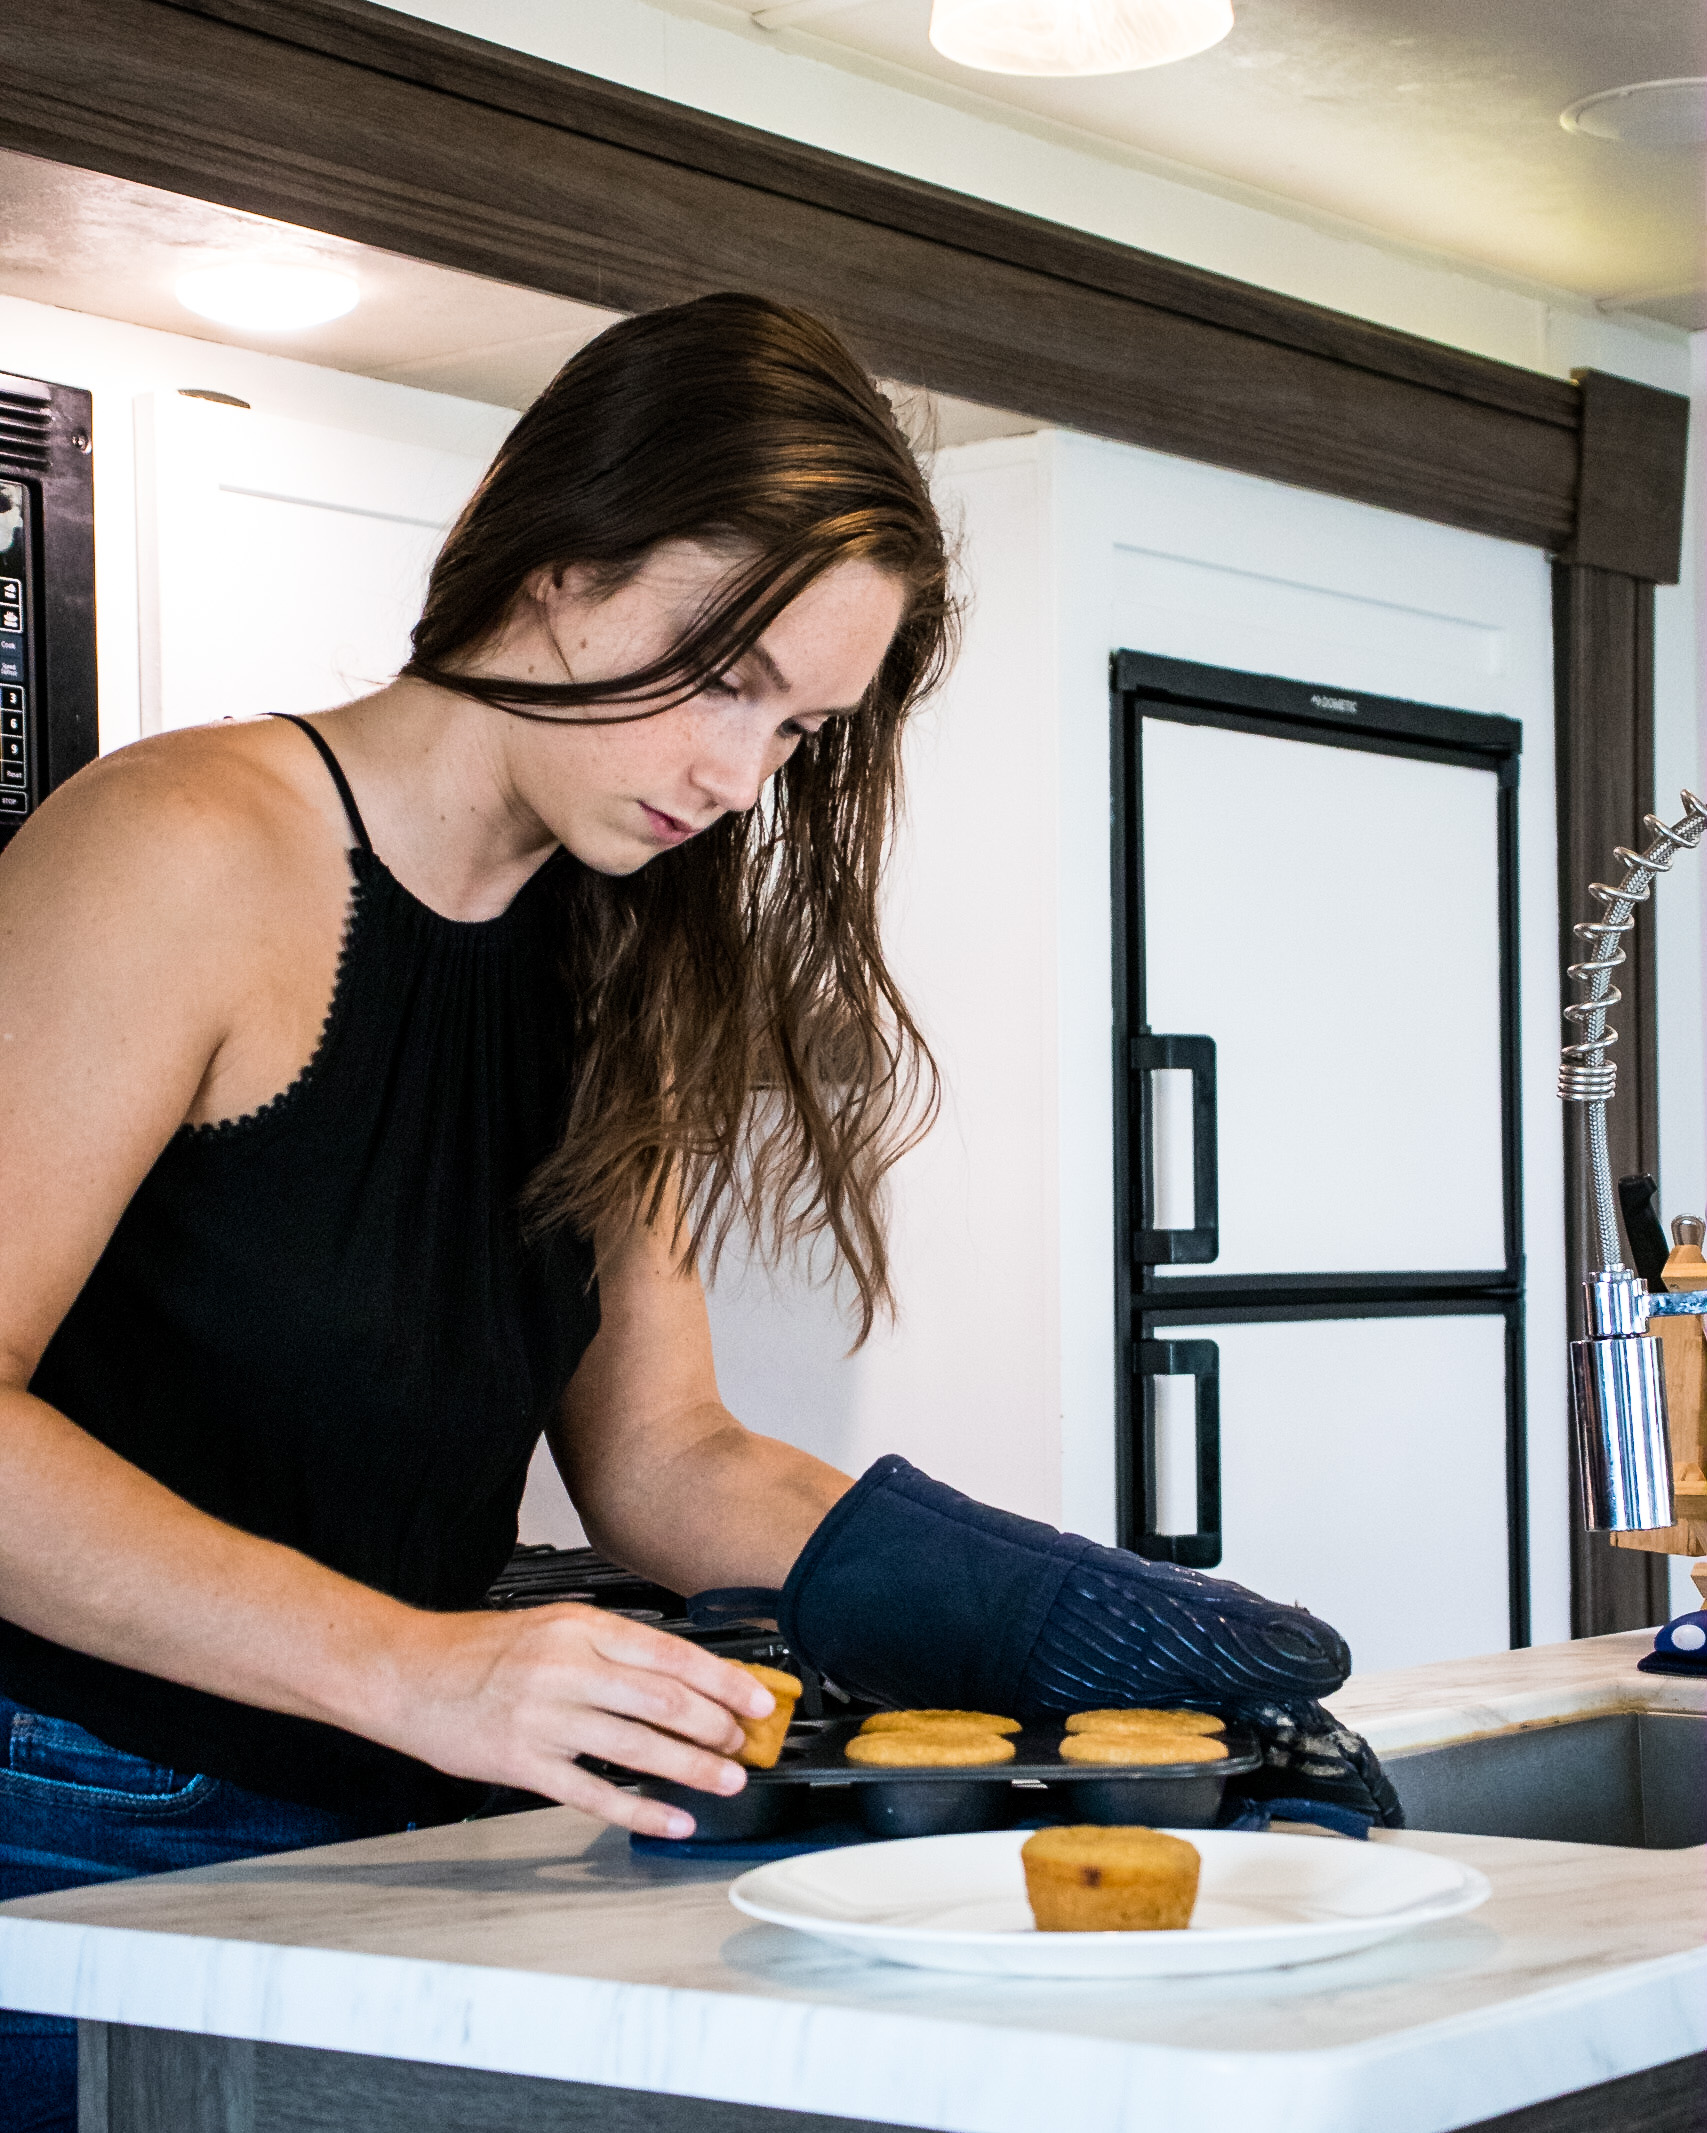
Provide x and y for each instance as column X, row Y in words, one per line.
column 741, row 1049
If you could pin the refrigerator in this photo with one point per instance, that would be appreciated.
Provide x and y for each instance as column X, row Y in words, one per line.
column 1319, row 1206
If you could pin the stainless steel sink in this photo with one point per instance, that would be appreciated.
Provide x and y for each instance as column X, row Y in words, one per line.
column 1628, row 1777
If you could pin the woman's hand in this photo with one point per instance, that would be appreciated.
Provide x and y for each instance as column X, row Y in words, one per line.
column 506, row 1699
column 513, row 1699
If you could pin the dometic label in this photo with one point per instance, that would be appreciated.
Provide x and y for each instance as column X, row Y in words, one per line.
column 1335, row 703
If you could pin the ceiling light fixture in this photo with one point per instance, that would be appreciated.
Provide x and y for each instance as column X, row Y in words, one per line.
column 1644, row 114
column 1076, row 36
column 268, row 299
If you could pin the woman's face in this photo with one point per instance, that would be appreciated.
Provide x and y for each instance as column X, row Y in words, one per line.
column 618, row 795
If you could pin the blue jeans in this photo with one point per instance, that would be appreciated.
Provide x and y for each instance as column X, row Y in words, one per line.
column 73, row 1810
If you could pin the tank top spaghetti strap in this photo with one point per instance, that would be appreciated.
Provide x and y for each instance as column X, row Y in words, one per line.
column 324, row 1323
column 352, row 813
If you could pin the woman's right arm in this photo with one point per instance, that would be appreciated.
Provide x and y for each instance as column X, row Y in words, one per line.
column 132, row 915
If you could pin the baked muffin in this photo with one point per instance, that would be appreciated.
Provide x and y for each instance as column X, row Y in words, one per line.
column 1145, row 1721
column 957, row 1721
column 765, row 1736
column 1088, row 1879
column 1142, row 1747
column 929, row 1748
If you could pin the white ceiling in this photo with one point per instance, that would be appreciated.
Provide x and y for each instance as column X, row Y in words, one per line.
column 1432, row 121
column 89, row 243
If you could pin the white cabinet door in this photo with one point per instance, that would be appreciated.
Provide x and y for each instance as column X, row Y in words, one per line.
column 283, row 562
column 1362, row 1473
column 1331, row 918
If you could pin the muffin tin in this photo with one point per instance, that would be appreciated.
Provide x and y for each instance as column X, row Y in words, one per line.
column 814, row 1782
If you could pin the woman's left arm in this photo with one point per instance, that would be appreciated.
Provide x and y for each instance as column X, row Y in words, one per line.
column 666, row 1480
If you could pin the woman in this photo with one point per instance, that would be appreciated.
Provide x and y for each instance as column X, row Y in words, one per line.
column 374, row 1086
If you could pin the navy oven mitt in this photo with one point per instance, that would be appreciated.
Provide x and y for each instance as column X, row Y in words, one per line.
column 913, row 1594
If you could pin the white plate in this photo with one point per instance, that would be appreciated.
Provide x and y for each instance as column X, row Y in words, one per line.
column 958, row 1903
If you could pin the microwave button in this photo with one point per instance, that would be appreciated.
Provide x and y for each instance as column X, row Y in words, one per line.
column 11, row 722
column 11, row 592
column 14, row 803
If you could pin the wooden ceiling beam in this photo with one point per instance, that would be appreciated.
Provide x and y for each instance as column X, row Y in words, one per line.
column 350, row 118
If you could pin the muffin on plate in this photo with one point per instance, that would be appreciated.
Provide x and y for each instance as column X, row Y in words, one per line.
column 1090, row 1879
column 1142, row 1747
column 957, row 1721
column 765, row 1736
column 929, row 1748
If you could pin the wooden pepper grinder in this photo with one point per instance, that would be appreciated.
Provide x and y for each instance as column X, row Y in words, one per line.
column 1685, row 1341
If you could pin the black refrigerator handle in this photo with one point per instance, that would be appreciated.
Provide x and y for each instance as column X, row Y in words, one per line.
column 1200, row 1360
column 1202, row 1242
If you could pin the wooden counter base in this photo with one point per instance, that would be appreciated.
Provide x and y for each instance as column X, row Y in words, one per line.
column 165, row 2081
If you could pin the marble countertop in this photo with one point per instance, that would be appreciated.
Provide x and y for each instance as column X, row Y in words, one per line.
column 539, row 1944
column 1455, row 1699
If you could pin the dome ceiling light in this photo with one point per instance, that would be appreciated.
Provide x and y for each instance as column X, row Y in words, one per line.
column 268, row 299
column 1644, row 114
column 1076, row 36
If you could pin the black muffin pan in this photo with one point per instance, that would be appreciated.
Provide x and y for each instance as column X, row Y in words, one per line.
column 814, row 1782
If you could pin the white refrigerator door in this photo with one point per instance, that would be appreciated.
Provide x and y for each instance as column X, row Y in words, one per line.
column 1330, row 917
column 1362, row 1474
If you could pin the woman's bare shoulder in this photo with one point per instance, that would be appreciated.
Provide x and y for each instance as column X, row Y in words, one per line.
column 197, row 815
column 168, row 921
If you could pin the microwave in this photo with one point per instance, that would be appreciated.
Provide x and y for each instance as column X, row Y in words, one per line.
column 47, row 592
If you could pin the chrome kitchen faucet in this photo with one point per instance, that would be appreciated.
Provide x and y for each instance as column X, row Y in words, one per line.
column 1618, row 1393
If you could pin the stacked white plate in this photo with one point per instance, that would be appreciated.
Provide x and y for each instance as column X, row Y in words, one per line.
column 958, row 1903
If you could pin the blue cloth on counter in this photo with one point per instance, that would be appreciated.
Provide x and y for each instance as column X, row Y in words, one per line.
column 1680, row 1647
column 72, row 1811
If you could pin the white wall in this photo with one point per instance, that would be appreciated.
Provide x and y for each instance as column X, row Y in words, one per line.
column 283, row 564
column 120, row 363
column 967, row 1383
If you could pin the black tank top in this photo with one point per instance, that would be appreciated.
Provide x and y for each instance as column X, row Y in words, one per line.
column 322, row 1324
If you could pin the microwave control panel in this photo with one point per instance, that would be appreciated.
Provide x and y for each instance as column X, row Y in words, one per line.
column 17, row 678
